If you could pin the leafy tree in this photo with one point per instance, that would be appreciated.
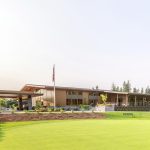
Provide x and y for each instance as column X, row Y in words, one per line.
column 2, row 103
column 104, row 98
column 11, row 103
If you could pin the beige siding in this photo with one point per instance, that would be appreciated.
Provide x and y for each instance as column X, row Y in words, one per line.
column 60, row 98
column 85, row 98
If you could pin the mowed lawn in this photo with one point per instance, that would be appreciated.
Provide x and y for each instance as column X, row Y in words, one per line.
column 109, row 134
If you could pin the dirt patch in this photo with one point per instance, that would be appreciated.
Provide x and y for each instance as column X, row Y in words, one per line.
column 49, row 116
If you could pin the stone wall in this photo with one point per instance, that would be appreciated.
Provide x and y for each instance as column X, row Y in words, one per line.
column 49, row 116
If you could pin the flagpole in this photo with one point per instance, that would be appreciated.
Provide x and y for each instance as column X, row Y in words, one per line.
column 54, row 95
column 54, row 86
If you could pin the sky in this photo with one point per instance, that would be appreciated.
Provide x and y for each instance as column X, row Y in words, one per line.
column 91, row 42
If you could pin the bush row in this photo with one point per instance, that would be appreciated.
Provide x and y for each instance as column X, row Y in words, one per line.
column 131, row 108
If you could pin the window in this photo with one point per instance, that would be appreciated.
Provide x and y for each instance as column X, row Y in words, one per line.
column 79, row 101
column 68, row 102
column 74, row 101
column 79, row 93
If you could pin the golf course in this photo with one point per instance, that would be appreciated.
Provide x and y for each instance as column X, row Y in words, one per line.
column 116, row 132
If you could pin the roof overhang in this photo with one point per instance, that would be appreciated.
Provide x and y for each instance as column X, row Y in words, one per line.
column 32, row 88
column 17, row 94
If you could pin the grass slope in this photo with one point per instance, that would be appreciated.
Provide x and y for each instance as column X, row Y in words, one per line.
column 110, row 134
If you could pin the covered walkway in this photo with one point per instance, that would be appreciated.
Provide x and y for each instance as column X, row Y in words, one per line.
column 20, row 96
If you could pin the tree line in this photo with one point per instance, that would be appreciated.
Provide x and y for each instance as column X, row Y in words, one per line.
column 126, row 87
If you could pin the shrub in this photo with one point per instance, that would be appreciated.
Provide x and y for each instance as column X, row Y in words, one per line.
column 61, row 110
column 57, row 109
column 50, row 109
column 26, row 111
column 38, row 105
column 84, row 107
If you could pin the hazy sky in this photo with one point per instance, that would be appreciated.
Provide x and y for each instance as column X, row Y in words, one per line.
column 92, row 42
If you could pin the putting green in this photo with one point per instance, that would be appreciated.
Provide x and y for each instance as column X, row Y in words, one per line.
column 76, row 135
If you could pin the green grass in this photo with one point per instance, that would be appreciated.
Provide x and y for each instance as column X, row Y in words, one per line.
column 117, row 132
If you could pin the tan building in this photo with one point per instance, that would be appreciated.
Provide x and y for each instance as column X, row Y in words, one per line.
column 68, row 96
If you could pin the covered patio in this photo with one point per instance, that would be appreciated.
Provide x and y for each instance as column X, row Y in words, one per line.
column 20, row 96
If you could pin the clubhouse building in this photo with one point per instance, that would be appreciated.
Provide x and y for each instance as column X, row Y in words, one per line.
column 70, row 96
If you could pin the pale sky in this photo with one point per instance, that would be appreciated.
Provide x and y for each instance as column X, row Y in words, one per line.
column 91, row 42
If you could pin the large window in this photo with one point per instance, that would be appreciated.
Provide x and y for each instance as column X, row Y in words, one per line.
column 68, row 101
column 131, row 102
column 74, row 101
column 79, row 101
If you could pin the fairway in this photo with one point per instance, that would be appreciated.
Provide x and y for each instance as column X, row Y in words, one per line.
column 76, row 135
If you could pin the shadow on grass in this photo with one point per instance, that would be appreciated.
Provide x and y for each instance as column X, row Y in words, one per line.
column 1, row 131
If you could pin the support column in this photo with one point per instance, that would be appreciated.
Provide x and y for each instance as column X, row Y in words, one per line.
column 144, row 100
column 30, row 102
column 117, row 100
column 126, row 100
column 135, row 102
column 20, row 103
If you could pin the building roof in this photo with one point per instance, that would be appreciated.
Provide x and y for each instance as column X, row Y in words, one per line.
column 17, row 94
column 32, row 88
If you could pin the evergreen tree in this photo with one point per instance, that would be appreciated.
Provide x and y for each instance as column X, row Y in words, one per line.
column 147, row 90
column 134, row 90
column 126, row 86
column 142, row 90
column 113, row 87
column 121, row 90
column 117, row 89
column 97, row 87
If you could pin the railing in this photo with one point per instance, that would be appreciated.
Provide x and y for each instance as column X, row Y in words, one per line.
column 93, row 97
column 74, row 96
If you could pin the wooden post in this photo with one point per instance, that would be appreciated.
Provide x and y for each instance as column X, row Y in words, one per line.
column 30, row 102
column 20, row 103
column 135, row 102
column 144, row 100
column 126, row 100
column 117, row 100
